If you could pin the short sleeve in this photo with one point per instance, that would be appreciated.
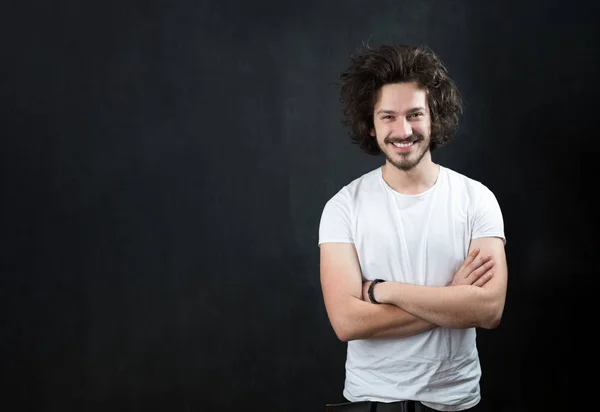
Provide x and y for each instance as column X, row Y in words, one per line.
column 335, row 225
column 488, row 221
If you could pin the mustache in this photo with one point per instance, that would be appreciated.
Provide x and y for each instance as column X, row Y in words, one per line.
column 412, row 138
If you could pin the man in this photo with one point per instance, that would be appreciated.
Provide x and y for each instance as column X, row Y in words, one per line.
column 412, row 253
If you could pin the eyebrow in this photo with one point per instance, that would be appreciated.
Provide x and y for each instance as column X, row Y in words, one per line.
column 413, row 110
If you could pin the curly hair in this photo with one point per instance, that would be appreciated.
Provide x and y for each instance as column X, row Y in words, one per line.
column 371, row 69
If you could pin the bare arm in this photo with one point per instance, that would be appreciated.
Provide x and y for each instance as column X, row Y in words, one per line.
column 456, row 306
column 350, row 316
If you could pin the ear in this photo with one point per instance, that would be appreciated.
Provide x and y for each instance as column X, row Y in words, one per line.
column 372, row 132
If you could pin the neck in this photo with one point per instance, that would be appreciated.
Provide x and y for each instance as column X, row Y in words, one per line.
column 417, row 180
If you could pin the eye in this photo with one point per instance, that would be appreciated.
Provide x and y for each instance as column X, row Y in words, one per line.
column 415, row 115
column 386, row 117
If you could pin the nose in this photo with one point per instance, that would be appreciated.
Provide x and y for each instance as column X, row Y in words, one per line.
column 403, row 129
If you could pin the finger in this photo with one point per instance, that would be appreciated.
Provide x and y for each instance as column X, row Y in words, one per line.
column 477, row 273
column 485, row 278
column 470, row 258
column 480, row 261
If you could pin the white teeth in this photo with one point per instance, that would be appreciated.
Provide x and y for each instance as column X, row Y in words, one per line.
column 403, row 144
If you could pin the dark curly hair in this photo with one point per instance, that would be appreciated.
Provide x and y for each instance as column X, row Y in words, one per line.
column 372, row 68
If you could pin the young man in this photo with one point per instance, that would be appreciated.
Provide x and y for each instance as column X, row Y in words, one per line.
column 412, row 253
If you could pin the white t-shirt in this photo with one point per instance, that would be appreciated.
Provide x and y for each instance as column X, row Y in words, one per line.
column 418, row 239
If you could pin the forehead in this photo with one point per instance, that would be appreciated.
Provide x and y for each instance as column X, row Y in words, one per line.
column 400, row 97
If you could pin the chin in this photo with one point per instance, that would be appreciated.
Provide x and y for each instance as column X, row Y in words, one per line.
column 403, row 163
column 406, row 167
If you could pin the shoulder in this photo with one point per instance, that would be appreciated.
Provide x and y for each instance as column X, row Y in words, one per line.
column 481, row 202
column 471, row 187
column 358, row 187
column 341, row 209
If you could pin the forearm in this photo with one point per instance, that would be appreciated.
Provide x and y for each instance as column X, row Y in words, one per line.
column 403, row 324
column 450, row 306
column 365, row 320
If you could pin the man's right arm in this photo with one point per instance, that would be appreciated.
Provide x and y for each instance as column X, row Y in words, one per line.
column 351, row 317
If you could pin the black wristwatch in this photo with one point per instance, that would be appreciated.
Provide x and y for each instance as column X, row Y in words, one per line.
column 370, row 292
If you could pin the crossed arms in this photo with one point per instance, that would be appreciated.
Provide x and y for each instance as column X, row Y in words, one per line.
column 474, row 298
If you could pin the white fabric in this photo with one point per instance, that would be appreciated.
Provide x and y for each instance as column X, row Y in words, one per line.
column 419, row 239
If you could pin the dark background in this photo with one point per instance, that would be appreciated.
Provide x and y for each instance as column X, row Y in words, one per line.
column 165, row 164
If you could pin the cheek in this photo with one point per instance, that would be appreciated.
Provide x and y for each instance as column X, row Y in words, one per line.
column 380, row 131
column 423, row 129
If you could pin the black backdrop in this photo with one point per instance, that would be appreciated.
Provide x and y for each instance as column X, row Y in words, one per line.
column 165, row 164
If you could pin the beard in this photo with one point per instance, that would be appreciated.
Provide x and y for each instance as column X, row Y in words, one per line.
column 406, row 161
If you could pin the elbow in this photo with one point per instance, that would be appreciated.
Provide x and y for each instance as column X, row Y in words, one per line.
column 343, row 336
column 344, row 332
column 345, row 328
column 492, row 318
column 491, row 322
column 340, row 332
column 344, row 324
column 489, row 310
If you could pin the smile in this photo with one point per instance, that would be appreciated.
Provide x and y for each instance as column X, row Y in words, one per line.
column 403, row 147
column 403, row 144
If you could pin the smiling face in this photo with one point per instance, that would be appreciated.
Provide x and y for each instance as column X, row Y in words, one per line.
column 402, row 124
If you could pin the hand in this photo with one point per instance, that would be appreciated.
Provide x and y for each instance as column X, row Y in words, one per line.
column 475, row 270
